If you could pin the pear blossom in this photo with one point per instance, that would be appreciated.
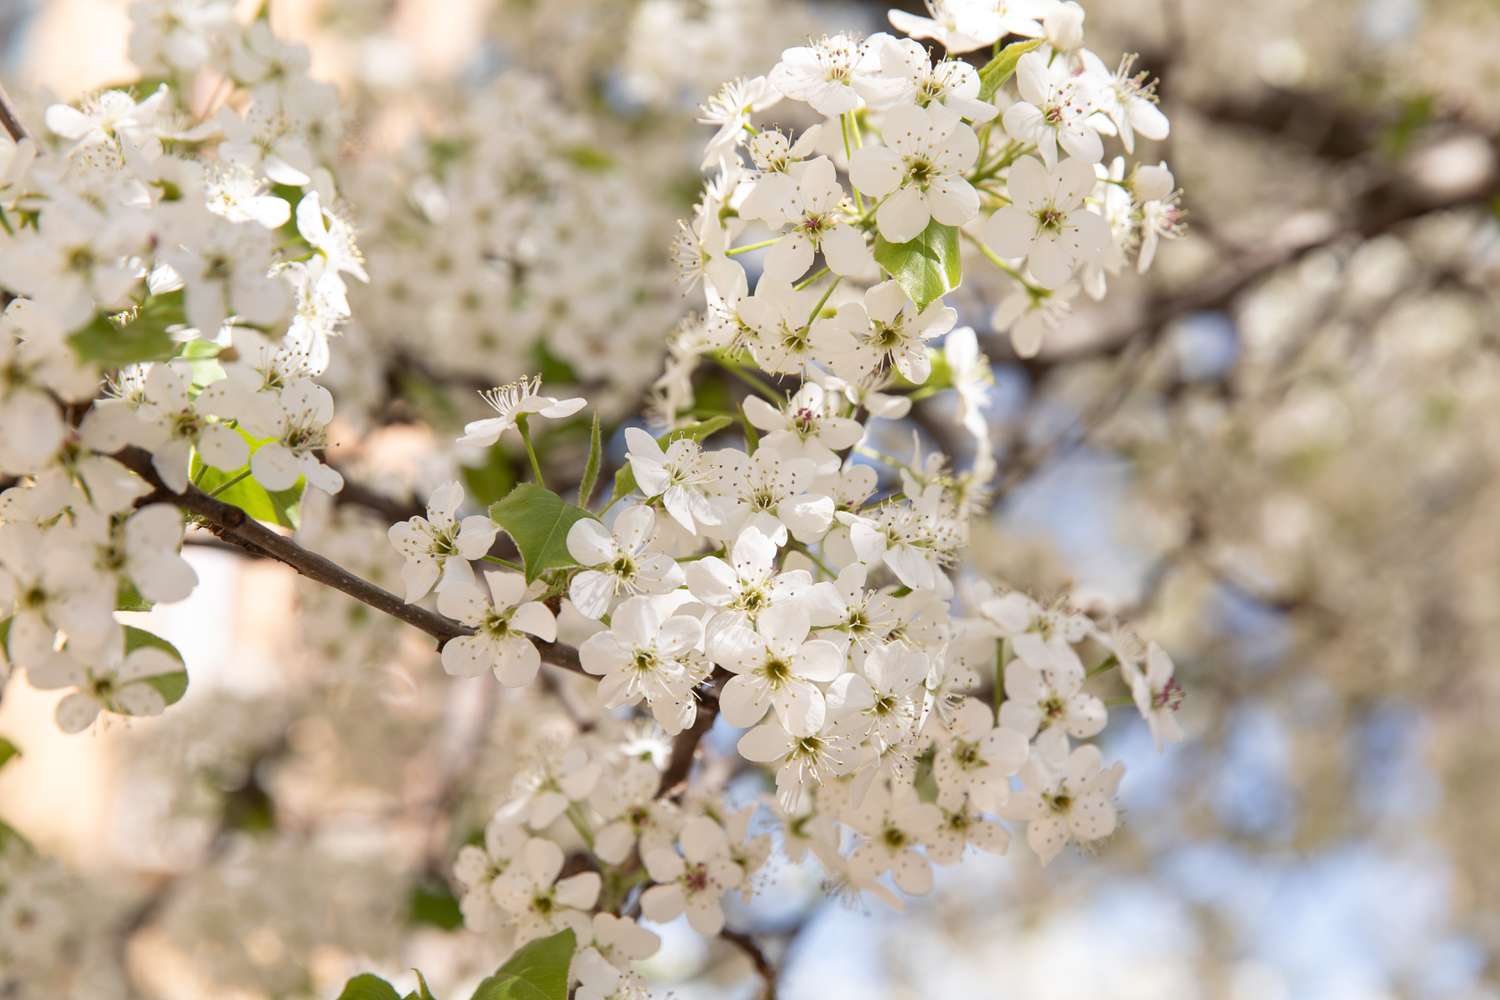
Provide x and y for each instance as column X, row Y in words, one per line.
column 776, row 665
column 503, row 620
column 811, row 207
column 1046, row 221
column 1066, row 799
column 893, row 823
column 105, row 678
column 519, row 398
column 646, row 654
column 678, row 475
column 1156, row 693
column 808, row 427
column 617, row 561
column 966, row 25
column 439, row 546
column 835, row 74
column 919, row 173
column 537, row 901
column 693, row 881
column 978, row 758
column 885, row 329
column 949, row 88
column 1056, row 109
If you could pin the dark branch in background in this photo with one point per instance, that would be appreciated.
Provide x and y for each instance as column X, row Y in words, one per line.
column 10, row 120
column 234, row 526
column 685, row 747
column 763, row 965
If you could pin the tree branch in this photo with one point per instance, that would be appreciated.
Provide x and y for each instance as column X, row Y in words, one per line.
column 10, row 120
column 763, row 965
column 237, row 528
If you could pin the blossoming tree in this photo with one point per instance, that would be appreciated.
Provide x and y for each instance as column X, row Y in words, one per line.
column 769, row 561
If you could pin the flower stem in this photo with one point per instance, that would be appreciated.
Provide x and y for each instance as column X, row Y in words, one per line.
column 505, row 562
column 735, row 369
column 536, row 466
column 1002, row 653
column 752, row 246
column 224, row 486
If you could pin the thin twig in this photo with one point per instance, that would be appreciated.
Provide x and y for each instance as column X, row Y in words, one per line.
column 10, row 119
column 763, row 965
column 233, row 525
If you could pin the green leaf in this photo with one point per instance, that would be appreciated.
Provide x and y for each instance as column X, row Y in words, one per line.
column 994, row 74
column 591, row 467
column 588, row 158
column 125, row 338
column 10, row 835
column 274, row 507
column 432, row 904
column 926, row 268
column 8, row 750
column 697, row 431
column 538, row 521
column 489, row 482
column 421, row 992
column 539, row 971
column 172, row 685
column 368, row 987
column 127, row 598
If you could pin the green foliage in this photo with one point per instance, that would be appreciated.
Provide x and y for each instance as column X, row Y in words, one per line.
column 139, row 335
column 591, row 467
column 274, row 507
column 552, row 369
column 9, row 837
column 697, row 431
column 369, row 987
column 421, row 992
column 8, row 750
column 538, row 521
column 171, row 686
column 432, row 904
column 127, row 598
column 588, row 158
column 994, row 74
column 926, row 268
column 489, row 482
column 539, row 971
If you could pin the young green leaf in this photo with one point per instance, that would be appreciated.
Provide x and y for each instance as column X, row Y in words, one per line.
column 127, row 598
column 926, row 268
column 421, row 992
column 994, row 74
column 538, row 521
column 171, row 686
column 278, row 507
column 490, row 481
column 8, row 750
column 10, row 836
column 433, row 904
column 591, row 467
column 539, row 971
column 698, row 431
column 123, row 339
column 368, row 987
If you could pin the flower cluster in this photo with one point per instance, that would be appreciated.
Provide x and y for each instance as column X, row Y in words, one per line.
column 799, row 583
column 173, row 277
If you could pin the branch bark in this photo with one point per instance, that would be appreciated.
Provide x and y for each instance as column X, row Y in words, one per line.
column 237, row 528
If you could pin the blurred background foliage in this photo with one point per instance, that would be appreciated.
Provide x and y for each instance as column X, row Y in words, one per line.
column 1277, row 453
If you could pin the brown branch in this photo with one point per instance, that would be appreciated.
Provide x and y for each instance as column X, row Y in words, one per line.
column 10, row 120
column 763, row 965
column 685, row 748
column 233, row 525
